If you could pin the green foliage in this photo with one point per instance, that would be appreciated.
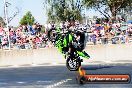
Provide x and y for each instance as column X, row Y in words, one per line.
column 105, row 6
column 63, row 10
column 27, row 19
column 2, row 22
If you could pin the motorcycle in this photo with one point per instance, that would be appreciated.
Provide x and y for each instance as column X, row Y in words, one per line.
column 73, row 61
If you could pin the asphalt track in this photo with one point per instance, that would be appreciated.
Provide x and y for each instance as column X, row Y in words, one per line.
column 59, row 76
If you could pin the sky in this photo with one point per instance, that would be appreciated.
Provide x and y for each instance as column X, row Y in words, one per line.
column 36, row 8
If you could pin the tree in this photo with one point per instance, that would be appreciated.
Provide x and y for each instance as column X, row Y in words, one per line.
column 2, row 22
column 27, row 19
column 106, row 6
column 63, row 10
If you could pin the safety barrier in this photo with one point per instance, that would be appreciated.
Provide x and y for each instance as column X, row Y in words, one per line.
column 117, row 53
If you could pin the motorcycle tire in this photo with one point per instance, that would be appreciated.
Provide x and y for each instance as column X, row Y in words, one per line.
column 73, row 64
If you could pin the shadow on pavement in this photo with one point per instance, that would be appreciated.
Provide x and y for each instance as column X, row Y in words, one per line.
column 96, row 68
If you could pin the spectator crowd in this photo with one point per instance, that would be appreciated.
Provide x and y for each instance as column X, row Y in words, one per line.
column 24, row 37
column 32, row 37
column 110, row 33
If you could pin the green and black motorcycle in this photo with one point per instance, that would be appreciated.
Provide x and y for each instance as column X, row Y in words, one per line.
column 70, row 48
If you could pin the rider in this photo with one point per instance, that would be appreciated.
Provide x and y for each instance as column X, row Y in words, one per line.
column 71, row 42
column 51, row 32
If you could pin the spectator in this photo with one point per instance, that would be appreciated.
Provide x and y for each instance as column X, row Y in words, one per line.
column 122, row 38
column 5, row 42
column 38, row 42
column 25, row 28
column 94, row 39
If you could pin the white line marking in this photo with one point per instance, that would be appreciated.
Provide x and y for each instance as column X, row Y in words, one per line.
column 58, row 83
column 21, row 82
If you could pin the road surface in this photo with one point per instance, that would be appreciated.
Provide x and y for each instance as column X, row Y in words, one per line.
column 58, row 76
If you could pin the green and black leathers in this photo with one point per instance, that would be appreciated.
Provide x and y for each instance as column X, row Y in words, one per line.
column 66, row 41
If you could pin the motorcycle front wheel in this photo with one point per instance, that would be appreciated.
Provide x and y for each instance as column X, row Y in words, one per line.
column 73, row 64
